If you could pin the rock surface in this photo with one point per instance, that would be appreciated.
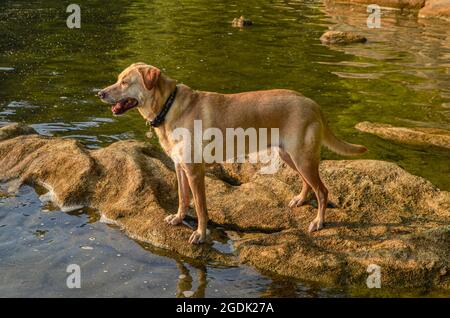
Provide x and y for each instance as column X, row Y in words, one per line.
column 384, row 215
column 14, row 130
column 436, row 9
column 341, row 37
column 241, row 22
column 400, row 4
column 414, row 136
column 425, row 8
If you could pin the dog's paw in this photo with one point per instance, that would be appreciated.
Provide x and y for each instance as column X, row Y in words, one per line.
column 173, row 219
column 197, row 237
column 315, row 225
column 297, row 201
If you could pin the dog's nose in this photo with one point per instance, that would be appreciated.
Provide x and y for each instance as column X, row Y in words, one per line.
column 101, row 94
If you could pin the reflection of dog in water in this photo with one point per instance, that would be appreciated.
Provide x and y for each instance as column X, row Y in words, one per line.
column 184, row 285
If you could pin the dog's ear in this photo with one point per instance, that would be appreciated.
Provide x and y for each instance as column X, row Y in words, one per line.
column 150, row 76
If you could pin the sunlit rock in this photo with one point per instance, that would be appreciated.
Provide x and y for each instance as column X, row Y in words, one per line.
column 415, row 136
column 436, row 9
column 383, row 215
column 241, row 22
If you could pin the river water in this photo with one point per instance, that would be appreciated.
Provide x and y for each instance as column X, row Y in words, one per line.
column 49, row 75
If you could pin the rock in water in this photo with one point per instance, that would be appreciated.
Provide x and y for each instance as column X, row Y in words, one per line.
column 15, row 129
column 341, row 37
column 414, row 136
column 436, row 9
column 400, row 4
column 424, row 8
column 241, row 22
column 384, row 216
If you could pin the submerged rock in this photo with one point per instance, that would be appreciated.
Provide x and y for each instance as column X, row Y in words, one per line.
column 341, row 37
column 384, row 215
column 414, row 136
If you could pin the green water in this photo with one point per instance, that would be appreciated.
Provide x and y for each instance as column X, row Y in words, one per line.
column 49, row 74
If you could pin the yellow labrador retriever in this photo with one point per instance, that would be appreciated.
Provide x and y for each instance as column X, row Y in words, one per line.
column 168, row 106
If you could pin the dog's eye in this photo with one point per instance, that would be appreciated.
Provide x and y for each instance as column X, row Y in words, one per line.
column 123, row 83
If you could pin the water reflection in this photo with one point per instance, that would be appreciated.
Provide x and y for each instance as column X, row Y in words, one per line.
column 185, row 282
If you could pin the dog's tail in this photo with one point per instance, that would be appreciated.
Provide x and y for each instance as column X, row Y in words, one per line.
column 339, row 146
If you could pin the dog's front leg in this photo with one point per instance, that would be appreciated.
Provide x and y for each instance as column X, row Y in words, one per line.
column 196, row 177
column 183, row 197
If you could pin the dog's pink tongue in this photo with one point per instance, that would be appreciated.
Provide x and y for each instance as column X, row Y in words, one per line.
column 115, row 108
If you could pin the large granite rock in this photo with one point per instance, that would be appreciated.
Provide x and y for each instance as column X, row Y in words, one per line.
column 383, row 215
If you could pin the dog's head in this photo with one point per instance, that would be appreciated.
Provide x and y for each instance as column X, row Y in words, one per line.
column 134, row 86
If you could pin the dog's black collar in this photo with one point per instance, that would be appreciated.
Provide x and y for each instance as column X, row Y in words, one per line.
column 159, row 119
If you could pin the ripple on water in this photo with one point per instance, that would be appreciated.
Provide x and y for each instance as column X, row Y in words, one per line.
column 12, row 107
column 358, row 75
column 21, row 104
column 348, row 63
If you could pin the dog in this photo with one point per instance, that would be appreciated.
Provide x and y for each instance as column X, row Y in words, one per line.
column 168, row 106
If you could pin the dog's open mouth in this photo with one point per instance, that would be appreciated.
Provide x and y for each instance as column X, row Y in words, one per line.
column 123, row 105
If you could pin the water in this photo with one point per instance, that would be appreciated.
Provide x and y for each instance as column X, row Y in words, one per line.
column 38, row 242
column 49, row 75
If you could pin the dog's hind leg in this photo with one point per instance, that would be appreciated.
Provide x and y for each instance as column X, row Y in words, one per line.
column 183, row 197
column 306, row 156
column 310, row 171
column 299, row 199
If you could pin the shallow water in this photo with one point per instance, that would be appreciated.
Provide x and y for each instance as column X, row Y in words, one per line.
column 49, row 75
column 38, row 242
